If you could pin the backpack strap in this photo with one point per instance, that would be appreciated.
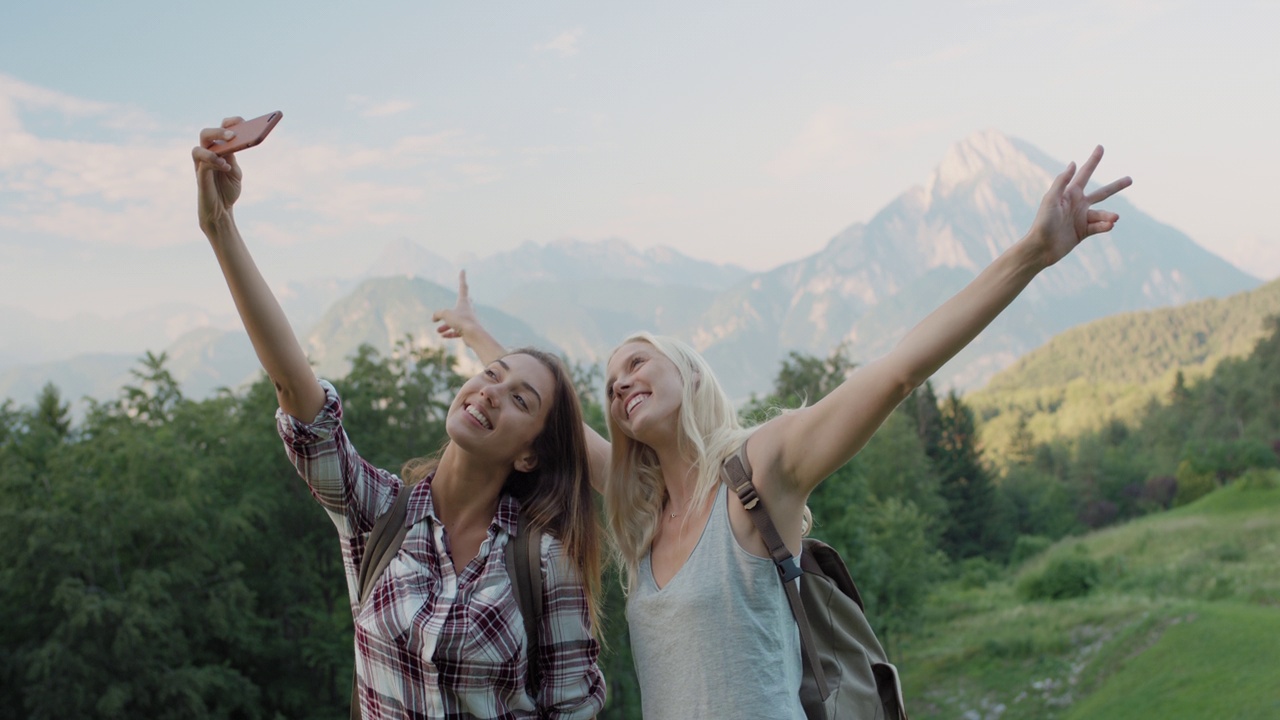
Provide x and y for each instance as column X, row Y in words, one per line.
column 523, row 554
column 524, row 567
column 736, row 471
column 380, row 548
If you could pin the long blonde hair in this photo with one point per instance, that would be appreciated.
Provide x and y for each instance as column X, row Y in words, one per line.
column 709, row 431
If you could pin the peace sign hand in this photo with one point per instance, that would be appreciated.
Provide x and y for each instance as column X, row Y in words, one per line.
column 1066, row 216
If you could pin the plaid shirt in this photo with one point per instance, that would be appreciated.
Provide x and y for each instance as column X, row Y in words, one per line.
column 433, row 642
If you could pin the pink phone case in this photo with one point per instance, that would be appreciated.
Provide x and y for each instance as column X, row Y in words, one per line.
column 248, row 133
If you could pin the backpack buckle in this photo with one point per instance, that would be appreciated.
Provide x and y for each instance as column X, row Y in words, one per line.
column 748, row 497
column 789, row 569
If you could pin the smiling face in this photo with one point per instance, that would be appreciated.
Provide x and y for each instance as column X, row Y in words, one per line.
column 501, row 411
column 644, row 390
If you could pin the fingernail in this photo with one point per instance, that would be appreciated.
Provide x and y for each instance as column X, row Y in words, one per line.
column 227, row 134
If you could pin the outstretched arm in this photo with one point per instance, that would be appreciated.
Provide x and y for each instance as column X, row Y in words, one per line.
column 460, row 321
column 810, row 444
column 218, row 180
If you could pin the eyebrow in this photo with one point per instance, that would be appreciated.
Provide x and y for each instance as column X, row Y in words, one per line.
column 523, row 384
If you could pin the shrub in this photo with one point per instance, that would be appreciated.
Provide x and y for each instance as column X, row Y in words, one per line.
column 1259, row 479
column 1193, row 484
column 1067, row 576
column 1098, row 513
column 1028, row 546
column 976, row 572
column 1158, row 492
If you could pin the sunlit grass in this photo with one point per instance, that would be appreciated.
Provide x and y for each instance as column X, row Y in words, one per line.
column 1201, row 582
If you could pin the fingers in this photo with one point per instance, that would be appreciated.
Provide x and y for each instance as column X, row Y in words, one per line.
column 212, row 136
column 206, row 182
column 228, row 122
column 1101, row 226
column 445, row 329
column 1100, row 221
column 1059, row 185
column 207, row 159
column 1086, row 170
column 463, row 290
column 1103, row 193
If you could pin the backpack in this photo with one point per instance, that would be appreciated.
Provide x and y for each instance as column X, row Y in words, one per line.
column 846, row 671
column 522, row 554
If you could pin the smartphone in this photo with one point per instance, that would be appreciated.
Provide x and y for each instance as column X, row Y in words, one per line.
column 248, row 134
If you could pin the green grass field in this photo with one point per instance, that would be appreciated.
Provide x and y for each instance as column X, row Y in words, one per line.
column 1184, row 623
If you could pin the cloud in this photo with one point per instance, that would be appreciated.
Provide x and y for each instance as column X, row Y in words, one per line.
column 135, row 189
column 565, row 44
column 368, row 108
column 15, row 94
column 829, row 140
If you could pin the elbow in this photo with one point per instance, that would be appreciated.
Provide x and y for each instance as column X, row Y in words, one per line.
column 907, row 382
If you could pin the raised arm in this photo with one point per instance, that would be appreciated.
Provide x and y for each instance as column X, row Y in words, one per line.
column 808, row 445
column 218, row 180
column 460, row 321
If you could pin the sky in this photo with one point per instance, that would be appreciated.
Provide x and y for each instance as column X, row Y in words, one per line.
column 744, row 132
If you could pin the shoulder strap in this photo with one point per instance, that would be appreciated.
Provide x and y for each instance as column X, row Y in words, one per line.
column 384, row 542
column 380, row 547
column 736, row 471
column 524, row 567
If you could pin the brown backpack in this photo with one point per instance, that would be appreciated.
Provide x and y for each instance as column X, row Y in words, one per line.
column 846, row 671
column 523, row 555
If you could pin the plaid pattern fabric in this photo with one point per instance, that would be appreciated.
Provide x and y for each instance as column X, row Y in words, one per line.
column 433, row 641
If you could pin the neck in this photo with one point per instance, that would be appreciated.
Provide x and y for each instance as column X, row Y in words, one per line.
column 466, row 489
column 680, row 477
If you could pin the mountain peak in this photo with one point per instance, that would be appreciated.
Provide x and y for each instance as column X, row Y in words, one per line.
column 982, row 154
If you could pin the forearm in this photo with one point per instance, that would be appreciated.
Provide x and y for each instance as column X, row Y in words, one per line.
column 484, row 345
column 273, row 340
column 948, row 329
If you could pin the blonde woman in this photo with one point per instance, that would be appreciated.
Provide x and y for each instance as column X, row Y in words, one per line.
column 441, row 635
column 711, row 630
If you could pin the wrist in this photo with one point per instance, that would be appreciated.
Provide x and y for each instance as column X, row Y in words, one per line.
column 219, row 226
column 1031, row 254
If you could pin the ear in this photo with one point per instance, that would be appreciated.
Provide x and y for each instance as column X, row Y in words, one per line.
column 527, row 462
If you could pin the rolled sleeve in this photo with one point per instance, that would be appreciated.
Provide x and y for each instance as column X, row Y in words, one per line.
column 351, row 490
column 572, row 684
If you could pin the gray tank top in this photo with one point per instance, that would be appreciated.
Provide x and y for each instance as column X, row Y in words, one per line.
column 719, row 641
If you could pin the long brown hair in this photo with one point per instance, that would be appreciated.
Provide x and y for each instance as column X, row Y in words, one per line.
column 555, row 496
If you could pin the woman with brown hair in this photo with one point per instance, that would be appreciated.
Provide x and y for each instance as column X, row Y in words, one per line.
column 441, row 634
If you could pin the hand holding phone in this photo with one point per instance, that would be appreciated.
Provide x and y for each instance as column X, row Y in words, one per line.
column 248, row 134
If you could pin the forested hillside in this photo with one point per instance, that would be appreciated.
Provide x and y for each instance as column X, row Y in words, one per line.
column 161, row 559
column 1114, row 368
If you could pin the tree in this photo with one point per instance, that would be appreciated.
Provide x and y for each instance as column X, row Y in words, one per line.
column 974, row 528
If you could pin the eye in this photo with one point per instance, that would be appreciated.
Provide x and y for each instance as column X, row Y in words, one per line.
column 636, row 362
column 520, row 401
column 489, row 373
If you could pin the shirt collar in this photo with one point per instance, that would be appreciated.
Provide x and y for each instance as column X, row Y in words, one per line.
column 422, row 505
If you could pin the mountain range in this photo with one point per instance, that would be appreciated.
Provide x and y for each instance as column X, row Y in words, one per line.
column 863, row 290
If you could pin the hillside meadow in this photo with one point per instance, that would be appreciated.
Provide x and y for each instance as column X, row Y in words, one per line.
column 1181, row 623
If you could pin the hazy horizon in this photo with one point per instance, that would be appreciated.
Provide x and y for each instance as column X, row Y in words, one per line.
column 749, row 133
